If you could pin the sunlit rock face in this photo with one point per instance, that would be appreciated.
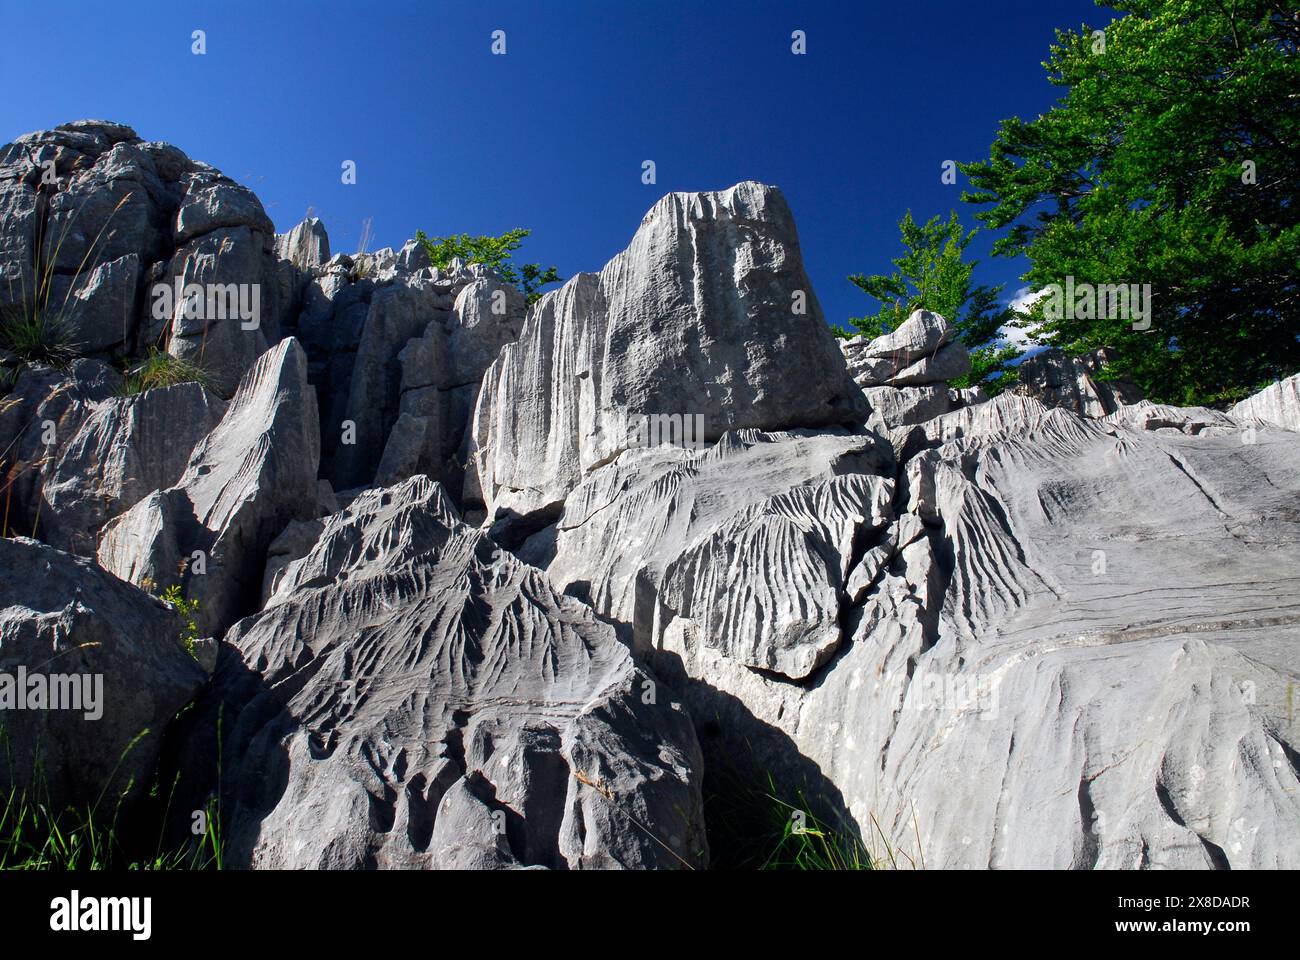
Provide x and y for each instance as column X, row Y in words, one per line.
column 460, row 582
column 707, row 313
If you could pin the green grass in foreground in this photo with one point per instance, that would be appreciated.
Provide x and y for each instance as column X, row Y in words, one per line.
column 36, row 836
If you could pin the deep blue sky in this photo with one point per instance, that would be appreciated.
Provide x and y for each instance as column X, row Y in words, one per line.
column 551, row 136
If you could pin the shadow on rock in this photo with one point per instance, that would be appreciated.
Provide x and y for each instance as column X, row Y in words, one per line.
column 756, row 782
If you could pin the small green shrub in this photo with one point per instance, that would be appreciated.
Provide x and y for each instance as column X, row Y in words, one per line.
column 493, row 252
column 188, row 609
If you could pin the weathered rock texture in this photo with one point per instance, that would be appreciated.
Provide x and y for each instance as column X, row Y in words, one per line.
column 904, row 373
column 111, row 215
column 38, row 418
column 396, row 348
column 1057, row 642
column 760, row 564
column 1278, row 405
column 247, row 479
column 1053, row 629
column 397, row 351
column 699, row 316
column 413, row 696
column 63, row 619
column 1058, row 380
column 125, row 449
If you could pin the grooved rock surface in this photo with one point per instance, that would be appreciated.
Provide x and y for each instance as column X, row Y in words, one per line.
column 1278, row 404
column 904, row 373
column 247, row 479
column 760, row 563
column 921, row 350
column 1064, row 643
column 1052, row 629
column 398, row 348
column 902, row 406
column 413, row 696
column 38, row 418
column 698, row 316
column 126, row 448
column 108, row 657
column 306, row 246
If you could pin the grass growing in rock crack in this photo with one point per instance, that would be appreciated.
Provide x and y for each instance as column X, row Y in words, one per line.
column 37, row 336
column 754, row 823
column 35, row 327
column 161, row 369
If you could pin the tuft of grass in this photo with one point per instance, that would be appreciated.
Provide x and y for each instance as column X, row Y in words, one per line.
column 34, row 838
column 31, row 327
column 755, row 822
column 36, row 336
column 161, row 369
column 808, row 843
column 754, row 825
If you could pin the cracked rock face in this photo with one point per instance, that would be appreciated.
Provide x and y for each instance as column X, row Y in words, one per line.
column 397, row 349
column 113, row 215
column 1065, row 643
column 414, row 696
column 904, row 373
column 707, row 313
column 126, row 448
column 760, row 564
column 1051, row 629
column 248, row 478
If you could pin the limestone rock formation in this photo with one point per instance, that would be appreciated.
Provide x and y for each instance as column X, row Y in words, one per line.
column 1072, row 382
column 1050, row 629
column 1031, row 670
column 91, row 671
column 1277, row 404
column 760, row 563
column 306, row 246
column 904, row 372
column 247, row 479
column 125, row 449
column 398, row 349
column 413, row 695
column 112, row 218
column 38, row 418
column 708, row 313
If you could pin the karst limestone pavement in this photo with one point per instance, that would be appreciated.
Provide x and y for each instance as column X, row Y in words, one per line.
column 458, row 612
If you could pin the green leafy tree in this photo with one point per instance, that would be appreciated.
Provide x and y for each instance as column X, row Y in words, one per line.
column 1173, row 158
column 494, row 252
column 933, row 274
